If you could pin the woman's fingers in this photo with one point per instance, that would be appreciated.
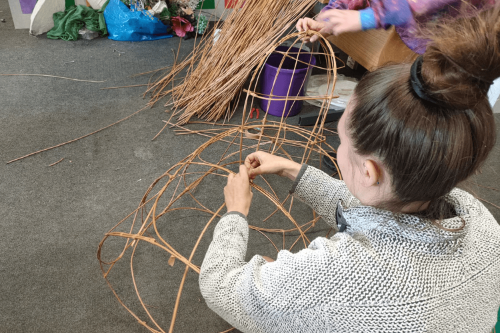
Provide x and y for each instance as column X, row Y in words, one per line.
column 252, row 164
column 302, row 24
column 306, row 24
column 298, row 26
column 248, row 161
column 314, row 37
column 230, row 178
column 332, row 15
column 260, row 163
column 255, row 163
column 315, row 25
column 252, row 161
column 243, row 174
column 309, row 24
column 341, row 21
column 254, row 172
column 238, row 193
column 325, row 32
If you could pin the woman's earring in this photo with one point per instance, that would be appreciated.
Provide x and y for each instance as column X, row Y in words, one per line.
column 378, row 183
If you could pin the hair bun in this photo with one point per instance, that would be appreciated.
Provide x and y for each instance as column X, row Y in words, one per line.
column 463, row 58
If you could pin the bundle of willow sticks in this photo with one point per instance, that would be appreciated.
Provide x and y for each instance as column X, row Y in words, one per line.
column 217, row 71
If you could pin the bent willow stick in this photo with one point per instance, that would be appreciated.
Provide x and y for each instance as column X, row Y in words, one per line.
column 185, row 195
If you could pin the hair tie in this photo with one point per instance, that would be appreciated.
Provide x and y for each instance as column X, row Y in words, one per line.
column 419, row 86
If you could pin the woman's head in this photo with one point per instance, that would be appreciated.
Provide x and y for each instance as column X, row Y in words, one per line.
column 419, row 149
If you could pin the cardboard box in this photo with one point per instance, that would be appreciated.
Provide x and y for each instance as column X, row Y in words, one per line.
column 374, row 48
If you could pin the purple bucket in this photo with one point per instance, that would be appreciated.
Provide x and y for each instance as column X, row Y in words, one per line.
column 282, row 84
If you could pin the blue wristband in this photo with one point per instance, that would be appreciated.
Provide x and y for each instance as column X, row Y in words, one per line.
column 367, row 17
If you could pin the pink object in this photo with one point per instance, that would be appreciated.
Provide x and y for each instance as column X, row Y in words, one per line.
column 181, row 26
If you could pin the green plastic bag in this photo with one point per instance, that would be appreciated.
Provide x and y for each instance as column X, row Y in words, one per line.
column 68, row 23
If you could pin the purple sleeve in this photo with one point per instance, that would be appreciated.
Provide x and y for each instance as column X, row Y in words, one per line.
column 385, row 12
column 336, row 4
column 347, row 4
column 400, row 13
column 430, row 7
column 392, row 12
column 427, row 7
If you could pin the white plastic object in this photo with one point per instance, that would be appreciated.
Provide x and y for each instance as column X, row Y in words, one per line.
column 158, row 8
column 96, row 4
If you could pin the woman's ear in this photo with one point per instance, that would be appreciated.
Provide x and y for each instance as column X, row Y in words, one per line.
column 372, row 173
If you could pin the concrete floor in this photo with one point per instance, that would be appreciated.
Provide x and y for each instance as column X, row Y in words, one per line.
column 54, row 217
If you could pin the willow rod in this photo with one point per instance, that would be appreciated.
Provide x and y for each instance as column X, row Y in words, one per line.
column 207, row 92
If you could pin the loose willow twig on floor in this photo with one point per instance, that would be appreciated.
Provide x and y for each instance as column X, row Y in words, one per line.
column 491, row 203
column 135, row 85
column 488, row 187
column 82, row 137
column 56, row 162
column 54, row 76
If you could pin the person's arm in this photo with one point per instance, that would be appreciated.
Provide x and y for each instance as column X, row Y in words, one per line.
column 345, row 18
column 384, row 13
column 255, row 296
column 321, row 192
column 313, row 186
column 222, row 270
column 340, row 17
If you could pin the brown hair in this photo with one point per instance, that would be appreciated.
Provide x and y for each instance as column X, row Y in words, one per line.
column 428, row 149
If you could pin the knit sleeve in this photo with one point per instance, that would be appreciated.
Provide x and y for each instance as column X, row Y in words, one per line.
column 222, row 269
column 321, row 192
column 256, row 296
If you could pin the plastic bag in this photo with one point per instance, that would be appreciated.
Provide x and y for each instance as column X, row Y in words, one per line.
column 126, row 25
column 68, row 23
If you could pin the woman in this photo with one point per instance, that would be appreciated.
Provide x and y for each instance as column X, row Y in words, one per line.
column 412, row 253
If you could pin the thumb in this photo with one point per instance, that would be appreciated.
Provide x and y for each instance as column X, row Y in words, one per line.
column 244, row 172
column 325, row 32
column 230, row 177
column 314, row 38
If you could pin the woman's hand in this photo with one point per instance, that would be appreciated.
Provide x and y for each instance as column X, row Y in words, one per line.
column 339, row 21
column 307, row 23
column 260, row 163
column 238, row 193
column 331, row 22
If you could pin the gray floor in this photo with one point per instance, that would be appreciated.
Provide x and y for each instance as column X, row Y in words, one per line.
column 53, row 218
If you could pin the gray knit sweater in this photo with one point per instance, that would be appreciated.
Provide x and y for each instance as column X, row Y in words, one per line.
column 378, row 275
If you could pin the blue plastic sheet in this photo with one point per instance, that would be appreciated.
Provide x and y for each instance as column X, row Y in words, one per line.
column 126, row 25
